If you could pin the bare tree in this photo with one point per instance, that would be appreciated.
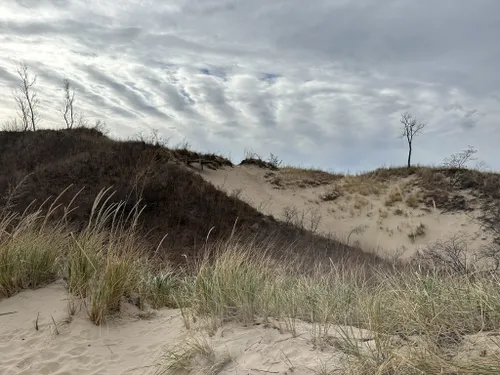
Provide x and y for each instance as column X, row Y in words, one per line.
column 27, row 100
column 68, row 110
column 460, row 159
column 411, row 128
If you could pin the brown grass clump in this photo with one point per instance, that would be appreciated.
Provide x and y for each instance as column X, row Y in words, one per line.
column 412, row 201
column 398, row 212
column 259, row 163
column 383, row 214
column 394, row 196
column 419, row 231
column 307, row 177
column 360, row 202
column 331, row 194
column 363, row 185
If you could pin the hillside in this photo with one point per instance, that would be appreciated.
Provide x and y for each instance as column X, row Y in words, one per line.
column 178, row 202
column 390, row 211
column 279, row 294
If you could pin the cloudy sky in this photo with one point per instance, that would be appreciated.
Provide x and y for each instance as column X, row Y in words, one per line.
column 319, row 82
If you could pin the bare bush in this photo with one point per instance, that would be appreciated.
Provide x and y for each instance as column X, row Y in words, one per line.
column 99, row 125
column 451, row 255
column 359, row 229
column 491, row 254
column 27, row 100
column 154, row 138
column 481, row 166
column 315, row 220
column 291, row 215
column 460, row 159
column 274, row 160
column 411, row 128
column 305, row 219
column 251, row 154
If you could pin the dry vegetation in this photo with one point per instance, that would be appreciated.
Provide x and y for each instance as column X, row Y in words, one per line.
column 181, row 208
column 303, row 178
column 110, row 245
column 447, row 188
column 417, row 320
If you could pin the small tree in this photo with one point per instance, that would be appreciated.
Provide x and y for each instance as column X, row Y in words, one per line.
column 68, row 110
column 411, row 128
column 27, row 100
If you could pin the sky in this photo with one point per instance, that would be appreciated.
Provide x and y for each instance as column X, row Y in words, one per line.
column 319, row 83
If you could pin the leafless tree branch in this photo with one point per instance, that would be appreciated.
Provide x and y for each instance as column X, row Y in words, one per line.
column 27, row 100
column 68, row 106
column 460, row 159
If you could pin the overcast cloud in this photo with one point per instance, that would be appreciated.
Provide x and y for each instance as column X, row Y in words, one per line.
column 319, row 82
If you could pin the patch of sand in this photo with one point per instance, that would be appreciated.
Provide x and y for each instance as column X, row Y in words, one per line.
column 124, row 346
column 364, row 220
column 129, row 345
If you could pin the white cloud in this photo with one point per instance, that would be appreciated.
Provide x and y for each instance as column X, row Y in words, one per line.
column 319, row 83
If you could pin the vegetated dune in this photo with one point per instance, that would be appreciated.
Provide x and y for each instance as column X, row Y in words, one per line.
column 392, row 212
column 181, row 209
column 100, row 307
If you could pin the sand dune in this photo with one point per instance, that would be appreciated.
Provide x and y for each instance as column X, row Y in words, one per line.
column 364, row 219
column 38, row 335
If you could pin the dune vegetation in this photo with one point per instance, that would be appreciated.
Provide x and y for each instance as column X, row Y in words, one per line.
column 128, row 222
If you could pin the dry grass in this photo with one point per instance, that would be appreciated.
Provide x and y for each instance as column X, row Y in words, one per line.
column 393, row 197
column 303, row 177
column 363, row 185
column 331, row 194
column 194, row 355
column 360, row 202
column 419, row 231
column 238, row 282
column 383, row 214
column 412, row 201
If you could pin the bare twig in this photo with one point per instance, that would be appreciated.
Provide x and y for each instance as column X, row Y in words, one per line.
column 55, row 325
column 8, row 313
column 36, row 321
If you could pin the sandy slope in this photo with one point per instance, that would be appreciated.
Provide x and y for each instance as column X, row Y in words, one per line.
column 381, row 230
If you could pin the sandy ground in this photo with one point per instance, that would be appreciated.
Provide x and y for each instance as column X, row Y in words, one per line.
column 130, row 345
column 365, row 221
column 78, row 346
